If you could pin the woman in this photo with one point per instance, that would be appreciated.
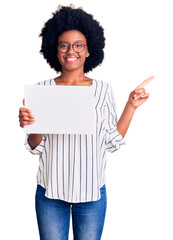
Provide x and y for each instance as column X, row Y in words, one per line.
column 71, row 173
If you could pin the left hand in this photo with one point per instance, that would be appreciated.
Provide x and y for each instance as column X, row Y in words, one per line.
column 139, row 96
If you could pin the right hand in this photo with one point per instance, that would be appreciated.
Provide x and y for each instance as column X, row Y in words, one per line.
column 25, row 116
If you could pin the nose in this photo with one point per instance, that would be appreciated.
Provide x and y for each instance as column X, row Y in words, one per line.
column 70, row 49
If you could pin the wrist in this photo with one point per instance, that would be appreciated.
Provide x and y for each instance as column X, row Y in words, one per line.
column 130, row 106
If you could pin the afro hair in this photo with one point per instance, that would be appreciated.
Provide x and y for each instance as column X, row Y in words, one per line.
column 69, row 18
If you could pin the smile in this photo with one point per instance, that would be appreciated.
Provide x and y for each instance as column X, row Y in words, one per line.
column 71, row 59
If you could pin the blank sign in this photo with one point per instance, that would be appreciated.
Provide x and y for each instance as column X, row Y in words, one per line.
column 61, row 109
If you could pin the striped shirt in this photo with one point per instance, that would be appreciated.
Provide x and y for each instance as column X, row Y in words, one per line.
column 72, row 166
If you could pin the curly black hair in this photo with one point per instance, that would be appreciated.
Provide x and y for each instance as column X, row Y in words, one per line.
column 68, row 18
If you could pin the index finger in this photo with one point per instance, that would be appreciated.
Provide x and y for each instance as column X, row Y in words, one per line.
column 145, row 82
column 24, row 109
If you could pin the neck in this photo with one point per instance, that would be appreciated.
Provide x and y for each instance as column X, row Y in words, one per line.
column 72, row 77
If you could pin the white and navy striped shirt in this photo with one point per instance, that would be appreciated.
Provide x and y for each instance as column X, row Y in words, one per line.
column 72, row 166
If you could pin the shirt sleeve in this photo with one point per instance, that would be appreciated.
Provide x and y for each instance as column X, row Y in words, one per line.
column 113, row 138
column 39, row 149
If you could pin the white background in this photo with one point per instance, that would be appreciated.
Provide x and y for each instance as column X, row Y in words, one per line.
column 139, row 43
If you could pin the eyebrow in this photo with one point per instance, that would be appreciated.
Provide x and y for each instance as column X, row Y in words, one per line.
column 74, row 42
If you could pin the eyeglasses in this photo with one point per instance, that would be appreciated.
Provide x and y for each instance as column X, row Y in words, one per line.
column 77, row 47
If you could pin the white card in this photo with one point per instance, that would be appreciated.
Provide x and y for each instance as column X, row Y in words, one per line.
column 60, row 109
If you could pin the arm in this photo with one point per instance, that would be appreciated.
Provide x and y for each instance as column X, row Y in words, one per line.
column 34, row 140
column 136, row 98
column 125, row 119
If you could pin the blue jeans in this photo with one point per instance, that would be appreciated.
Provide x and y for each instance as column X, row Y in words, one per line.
column 53, row 217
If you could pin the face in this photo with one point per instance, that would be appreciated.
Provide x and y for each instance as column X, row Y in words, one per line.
column 72, row 60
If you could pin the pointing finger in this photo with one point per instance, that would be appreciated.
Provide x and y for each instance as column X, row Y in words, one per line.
column 145, row 82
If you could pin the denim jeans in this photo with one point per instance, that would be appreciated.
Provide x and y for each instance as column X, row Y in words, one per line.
column 53, row 217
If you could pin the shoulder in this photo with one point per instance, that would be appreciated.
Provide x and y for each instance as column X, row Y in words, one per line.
column 102, row 83
column 106, row 89
column 46, row 82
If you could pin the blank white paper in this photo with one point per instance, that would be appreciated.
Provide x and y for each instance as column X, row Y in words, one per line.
column 60, row 109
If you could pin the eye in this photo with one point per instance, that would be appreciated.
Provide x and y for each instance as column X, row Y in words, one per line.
column 63, row 46
column 78, row 45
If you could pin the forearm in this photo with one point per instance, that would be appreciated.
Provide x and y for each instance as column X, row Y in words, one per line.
column 125, row 119
column 34, row 140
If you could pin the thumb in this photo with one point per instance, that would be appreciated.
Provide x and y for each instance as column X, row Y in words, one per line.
column 23, row 102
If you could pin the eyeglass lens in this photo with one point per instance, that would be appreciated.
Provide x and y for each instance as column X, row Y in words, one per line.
column 77, row 47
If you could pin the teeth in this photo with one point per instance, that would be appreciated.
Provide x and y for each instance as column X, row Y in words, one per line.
column 71, row 59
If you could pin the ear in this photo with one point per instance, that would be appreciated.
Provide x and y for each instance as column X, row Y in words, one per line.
column 87, row 55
